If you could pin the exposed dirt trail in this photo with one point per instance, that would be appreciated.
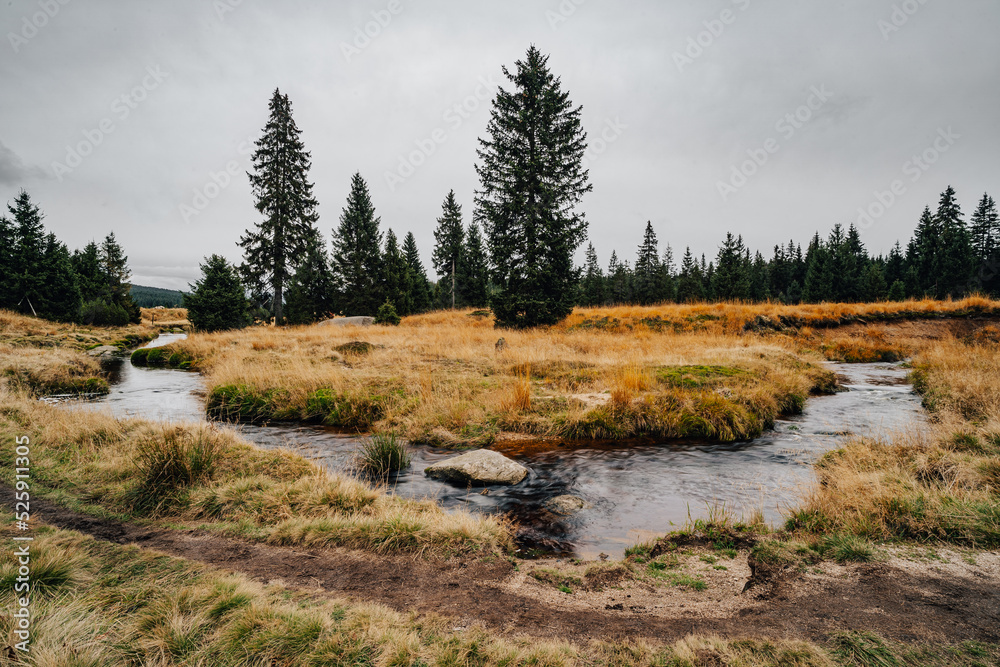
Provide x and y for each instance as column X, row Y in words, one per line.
column 911, row 602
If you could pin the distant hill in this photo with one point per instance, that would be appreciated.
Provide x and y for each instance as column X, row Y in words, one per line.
column 150, row 297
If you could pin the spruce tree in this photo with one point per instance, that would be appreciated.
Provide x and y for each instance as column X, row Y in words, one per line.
column 311, row 292
column 396, row 279
column 690, row 288
column 8, row 242
column 118, row 276
column 449, row 242
column 897, row 292
column 666, row 289
column 872, row 283
column 984, row 227
column 422, row 293
column 473, row 274
column 954, row 262
column 26, row 275
column 731, row 281
column 531, row 180
column 760, row 280
column 818, row 285
column 61, row 292
column 619, row 281
column 645, row 277
column 922, row 254
column 283, row 196
column 217, row 302
column 87, row 266
column 592, row 291
column 356, row 260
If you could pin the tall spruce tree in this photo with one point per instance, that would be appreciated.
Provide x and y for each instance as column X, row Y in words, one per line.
column 473, row 275
column 449, row 243
column 283, row 196
column 27, row 279
column 217, row 302
column 922, row 255
column 311, row 292
column 666, row 289
column 422, row 292
column 357, row 245
column 645, row 278
column 532, row 178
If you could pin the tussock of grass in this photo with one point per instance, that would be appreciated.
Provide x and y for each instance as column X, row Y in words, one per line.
column 382, row 454
column 204, row 472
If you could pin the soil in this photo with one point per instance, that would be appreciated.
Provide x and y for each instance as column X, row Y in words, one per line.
column 913, row 597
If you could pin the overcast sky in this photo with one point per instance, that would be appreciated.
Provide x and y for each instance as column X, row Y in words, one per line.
column 767, row 118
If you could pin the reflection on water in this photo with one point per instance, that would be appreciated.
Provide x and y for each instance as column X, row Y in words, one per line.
column 635, row 490
column 150, row 393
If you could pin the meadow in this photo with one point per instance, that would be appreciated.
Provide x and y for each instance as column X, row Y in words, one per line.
column 712, row 371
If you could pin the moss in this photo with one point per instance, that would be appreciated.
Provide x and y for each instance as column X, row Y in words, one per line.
column 695, row 376
column 356, row 348
column 162, row 356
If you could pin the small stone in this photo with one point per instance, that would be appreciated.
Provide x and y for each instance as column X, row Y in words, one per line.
column 566, row 504
column 103, row 351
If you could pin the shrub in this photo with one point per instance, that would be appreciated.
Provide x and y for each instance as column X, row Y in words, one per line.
column 387, row 315
column 168, row 464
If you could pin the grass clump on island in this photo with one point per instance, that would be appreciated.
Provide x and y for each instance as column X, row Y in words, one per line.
column 439, row 379
column 99, row 603
column 209, row 477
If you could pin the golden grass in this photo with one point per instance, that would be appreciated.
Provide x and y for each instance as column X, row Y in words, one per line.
column 207, row 473
column 438, row 378
column 165, row 317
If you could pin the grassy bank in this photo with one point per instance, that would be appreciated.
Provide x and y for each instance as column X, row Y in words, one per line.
column 98, row 604
column 51, row 358
column 207, row 476
column 937, row 483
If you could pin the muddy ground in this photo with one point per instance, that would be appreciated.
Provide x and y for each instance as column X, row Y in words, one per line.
column 913, row 595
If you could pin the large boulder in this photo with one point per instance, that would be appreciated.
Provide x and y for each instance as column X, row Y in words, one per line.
column 483, row 465
column 348, row 322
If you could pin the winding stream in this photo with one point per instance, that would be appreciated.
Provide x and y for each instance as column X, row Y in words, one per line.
column 634, row 490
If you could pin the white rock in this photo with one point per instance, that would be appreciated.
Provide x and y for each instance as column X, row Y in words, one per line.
column 348, row 322
column 483, row 465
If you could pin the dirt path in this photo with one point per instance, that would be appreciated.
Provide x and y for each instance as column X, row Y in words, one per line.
column 909, row 601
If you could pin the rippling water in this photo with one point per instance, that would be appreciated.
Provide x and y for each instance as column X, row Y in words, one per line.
column 635, row 490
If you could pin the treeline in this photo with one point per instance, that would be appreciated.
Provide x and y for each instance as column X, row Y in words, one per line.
column 946, row 257
column 40, row 276
column 151, row 297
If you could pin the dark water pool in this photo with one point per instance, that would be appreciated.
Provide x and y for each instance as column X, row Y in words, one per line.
column 634, row 490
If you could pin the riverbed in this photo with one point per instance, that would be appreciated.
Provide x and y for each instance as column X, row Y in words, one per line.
column 633, row 490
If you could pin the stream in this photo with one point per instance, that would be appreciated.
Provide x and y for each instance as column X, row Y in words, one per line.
column 635, row 491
